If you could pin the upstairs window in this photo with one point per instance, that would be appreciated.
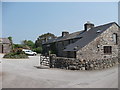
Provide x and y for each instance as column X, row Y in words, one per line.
column 107, row 49
column 62, row 43
column 115, row 38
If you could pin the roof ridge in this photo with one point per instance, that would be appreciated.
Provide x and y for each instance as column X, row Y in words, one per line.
column 60, row 38
column 105, row 24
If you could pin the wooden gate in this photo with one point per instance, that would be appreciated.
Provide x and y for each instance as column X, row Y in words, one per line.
column 44, row 60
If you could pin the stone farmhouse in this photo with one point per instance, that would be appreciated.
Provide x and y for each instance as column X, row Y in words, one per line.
column 5, row 45
column 94, row 42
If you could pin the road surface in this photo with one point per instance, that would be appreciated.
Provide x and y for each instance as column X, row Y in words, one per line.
column 21, row 73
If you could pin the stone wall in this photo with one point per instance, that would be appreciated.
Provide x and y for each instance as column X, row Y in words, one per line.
column 59, row 47
column 119, row 43
column 6, row 48
column 0, row 47
column 94, row 50
column 76, row 64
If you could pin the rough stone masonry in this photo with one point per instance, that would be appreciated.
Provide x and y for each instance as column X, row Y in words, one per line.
column 77, row 64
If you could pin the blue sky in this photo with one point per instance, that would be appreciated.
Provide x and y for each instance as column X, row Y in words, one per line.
column 0, row 19
column 28, row 20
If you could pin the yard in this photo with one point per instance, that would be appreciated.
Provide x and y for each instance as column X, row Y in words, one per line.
column 23, row 74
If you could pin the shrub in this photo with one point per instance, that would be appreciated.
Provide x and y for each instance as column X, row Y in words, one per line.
column 38, row 49
column 16, row 54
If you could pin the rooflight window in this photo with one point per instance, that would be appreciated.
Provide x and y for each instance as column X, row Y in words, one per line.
column 75, row 48
column 98, row 31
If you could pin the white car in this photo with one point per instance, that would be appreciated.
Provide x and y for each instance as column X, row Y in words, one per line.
column 29, row 52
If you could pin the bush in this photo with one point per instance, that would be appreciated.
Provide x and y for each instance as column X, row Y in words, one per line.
column 38, row 50
column 16, row 54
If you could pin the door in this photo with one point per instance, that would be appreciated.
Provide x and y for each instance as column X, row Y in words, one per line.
column 2, row 49
column 71, row 54
column 74, row 54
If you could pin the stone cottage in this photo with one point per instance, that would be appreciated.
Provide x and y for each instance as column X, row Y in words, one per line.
column 5, row 45
column 94, row 42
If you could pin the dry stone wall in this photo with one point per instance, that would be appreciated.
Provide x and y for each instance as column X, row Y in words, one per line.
column 0, row 47
column 76, row 64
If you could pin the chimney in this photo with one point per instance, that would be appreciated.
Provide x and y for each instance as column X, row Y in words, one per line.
column 65, row 33
column 88, row 26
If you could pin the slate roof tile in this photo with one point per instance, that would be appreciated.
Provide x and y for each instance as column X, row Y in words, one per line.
column 87, row 37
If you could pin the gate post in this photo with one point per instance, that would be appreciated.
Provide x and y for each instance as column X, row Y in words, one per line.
column 50, row 61
column 40, row 60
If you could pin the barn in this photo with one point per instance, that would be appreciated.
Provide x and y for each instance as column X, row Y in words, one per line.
column 5, row 45
column 94, row 42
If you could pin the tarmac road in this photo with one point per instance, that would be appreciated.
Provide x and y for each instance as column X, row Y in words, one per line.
column 22, row 74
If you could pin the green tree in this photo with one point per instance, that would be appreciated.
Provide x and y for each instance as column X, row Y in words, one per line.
column 11, row 42
column 10, row 38
column 38, row 49
column 43, row 38
column 28, row 43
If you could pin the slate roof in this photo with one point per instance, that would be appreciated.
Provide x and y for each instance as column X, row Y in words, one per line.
column 4, row 40
column 87, row 37
column 70, row 36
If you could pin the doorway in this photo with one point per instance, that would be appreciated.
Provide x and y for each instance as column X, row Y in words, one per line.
column 2, row 49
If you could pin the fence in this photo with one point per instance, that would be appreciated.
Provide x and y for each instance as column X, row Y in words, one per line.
column 75, row 64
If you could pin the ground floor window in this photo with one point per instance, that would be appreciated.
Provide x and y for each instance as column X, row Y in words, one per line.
column 74, row 54
column 107, row 49
column 71, row 54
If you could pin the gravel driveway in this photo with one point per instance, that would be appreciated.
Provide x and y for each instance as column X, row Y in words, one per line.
column 23, row 74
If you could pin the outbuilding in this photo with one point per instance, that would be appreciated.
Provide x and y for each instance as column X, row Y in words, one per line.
column 5, row 45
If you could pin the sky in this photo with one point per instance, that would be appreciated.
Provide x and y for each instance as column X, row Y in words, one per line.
column 28, row 20
column 0, row 19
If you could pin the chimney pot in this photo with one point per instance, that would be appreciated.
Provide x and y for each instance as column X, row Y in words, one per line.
column 65, row 33
column 88, row 26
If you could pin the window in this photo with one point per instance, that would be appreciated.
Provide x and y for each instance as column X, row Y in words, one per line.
column 115, row 38
column 98, row 31
column 62, row 43
column 107, row 49
column 75, row 48
column 69, row 41
column 71, row 54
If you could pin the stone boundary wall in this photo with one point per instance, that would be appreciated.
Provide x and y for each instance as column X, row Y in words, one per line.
column 75, row 64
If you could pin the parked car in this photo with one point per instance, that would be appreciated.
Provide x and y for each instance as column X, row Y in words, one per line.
column 29, row 52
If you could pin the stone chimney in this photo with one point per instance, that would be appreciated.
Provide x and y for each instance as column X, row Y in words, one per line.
column 65, row 33
column 88, row 26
